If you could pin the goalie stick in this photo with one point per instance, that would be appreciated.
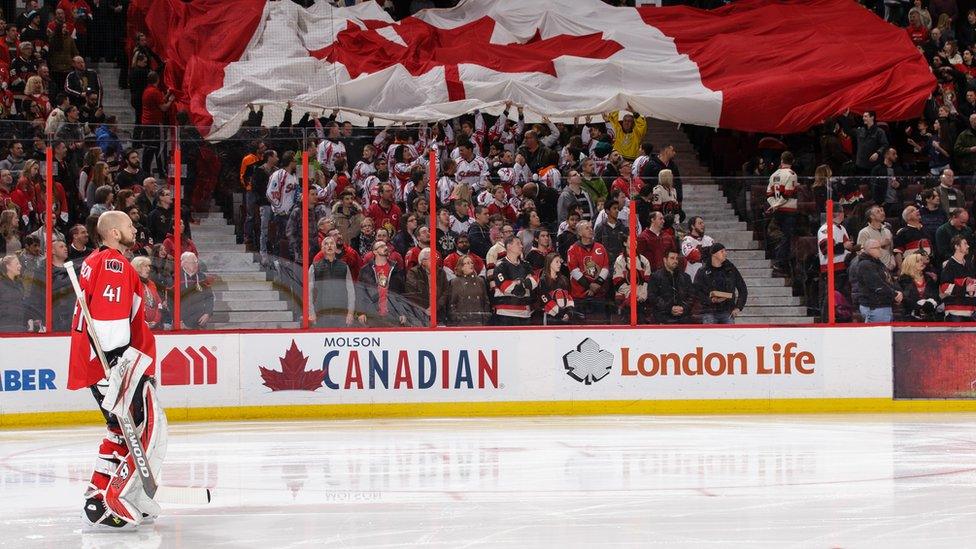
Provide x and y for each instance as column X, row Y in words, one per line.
column 161, row 494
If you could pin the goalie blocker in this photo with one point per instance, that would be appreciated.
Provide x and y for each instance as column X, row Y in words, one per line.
column 118, row 334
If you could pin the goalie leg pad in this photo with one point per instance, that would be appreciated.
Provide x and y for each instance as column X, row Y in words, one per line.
column 125, row 495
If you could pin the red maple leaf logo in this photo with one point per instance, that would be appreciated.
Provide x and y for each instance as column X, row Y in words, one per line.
column 292, row 376
column 366, row 51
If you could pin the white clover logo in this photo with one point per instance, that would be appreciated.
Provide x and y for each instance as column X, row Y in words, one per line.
column 588, row 363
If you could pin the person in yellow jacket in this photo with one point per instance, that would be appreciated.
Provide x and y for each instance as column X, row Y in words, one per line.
column 628, row 134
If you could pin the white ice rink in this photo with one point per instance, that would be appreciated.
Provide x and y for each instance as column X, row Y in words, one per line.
column 770, row 481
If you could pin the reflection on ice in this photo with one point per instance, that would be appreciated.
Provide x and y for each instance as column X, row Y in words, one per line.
column 758, row 481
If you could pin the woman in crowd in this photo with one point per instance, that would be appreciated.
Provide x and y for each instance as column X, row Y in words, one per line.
column 9, row 233
column 467, row 297
column 921, row 293
column 556, row 302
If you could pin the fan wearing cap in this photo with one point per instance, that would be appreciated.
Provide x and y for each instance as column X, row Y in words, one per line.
column 719, row 288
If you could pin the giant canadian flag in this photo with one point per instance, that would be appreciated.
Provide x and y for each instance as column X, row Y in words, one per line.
column 756, row 65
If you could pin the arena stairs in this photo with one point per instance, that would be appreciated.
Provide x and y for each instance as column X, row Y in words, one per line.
column 770, row 300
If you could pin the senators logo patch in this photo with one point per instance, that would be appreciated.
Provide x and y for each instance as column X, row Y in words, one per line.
column 113, row 265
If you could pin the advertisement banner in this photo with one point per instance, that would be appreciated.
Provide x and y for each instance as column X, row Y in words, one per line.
column 256, row 371
column 937, row 363
column 565, row 365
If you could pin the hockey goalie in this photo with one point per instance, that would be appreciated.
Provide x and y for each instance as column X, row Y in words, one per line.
column 116, row 498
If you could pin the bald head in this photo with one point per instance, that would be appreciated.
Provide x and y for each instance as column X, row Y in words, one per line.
column 116, row 230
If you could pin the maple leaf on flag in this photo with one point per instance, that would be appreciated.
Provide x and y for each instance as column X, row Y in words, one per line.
column 588, row 363
column 367, row 51
column 293, row 376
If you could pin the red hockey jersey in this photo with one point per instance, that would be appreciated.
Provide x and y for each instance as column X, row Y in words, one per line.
column 113, row 293
column 587, row 264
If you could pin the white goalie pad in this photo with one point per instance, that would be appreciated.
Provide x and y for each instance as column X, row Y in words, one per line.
column 125, row 495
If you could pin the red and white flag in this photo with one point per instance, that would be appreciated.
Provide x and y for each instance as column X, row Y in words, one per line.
column 757, row 65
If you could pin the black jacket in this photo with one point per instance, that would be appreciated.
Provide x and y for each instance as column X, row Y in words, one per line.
column 724, row 278
column 918, row 305
column 875, row 287
column 668, row 290
column 480, row 239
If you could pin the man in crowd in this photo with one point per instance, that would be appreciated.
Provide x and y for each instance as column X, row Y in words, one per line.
column 671, row 292
column 964, row 151
column 695, row 245
column 381, row 283
column 418, row 289
column 885, row 184
column 589, row 270
column 957, row 283
column 949, row 196
column 932, row 215
column 196, row 295
column 911, row 238
column 871, row 144
column 654, row 242
column 876, row 289
column 958, row 225
column 781, row 197
column 878, row 231
column 720, row 288
column 331, row 289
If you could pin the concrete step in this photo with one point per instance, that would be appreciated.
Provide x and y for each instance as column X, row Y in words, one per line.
column 760, row 272
column 239, row 276
column 229, row 261
column 757, row 282
column 773, row 301
column 749, row 264
column 208, row 222
column 254, row 316
column 237, row 286
column 261, row 293
column 770, row 291
column 738, row 244
column 769, row 310
column 737, row 255
column 213, row 240
column 228, row 306
column 236, row 268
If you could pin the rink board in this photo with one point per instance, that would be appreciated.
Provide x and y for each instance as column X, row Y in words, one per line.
column 481, row 373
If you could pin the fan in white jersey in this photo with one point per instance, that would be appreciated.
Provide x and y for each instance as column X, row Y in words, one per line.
column 694, row 244
column 364, row 168
column 446, row 182
column 330, row 147
column 471, row 169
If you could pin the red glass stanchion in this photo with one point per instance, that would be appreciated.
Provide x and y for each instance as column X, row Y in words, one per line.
column 177, row 232
column 304, row 241
column 49, row 238
column 830, row 263
column 432, row 188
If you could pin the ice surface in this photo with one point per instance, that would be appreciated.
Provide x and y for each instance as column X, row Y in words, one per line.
column 769, row 481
